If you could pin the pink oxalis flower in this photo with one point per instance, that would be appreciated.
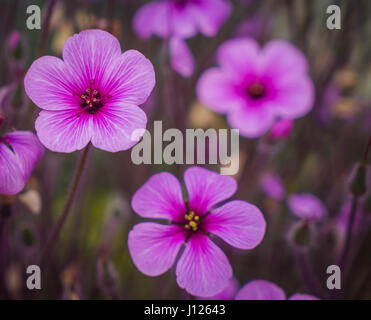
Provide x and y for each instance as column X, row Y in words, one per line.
column 181, row 18
column 266, row 290
column 254, row 87
column 19, row 153
column 306, row 206
column 273, row 186
column 92, row 95
column 202, row 269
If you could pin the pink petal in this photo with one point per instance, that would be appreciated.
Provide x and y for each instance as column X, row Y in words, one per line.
column 210, row 15
column 216, row 90
column 280, row 58
column 49, row 83
column 17, row 163
column 239, row 55
column 160, row 198
column 261, row 290
column 11, row 177
column 252, row 121
column 307, row 206
column 302, row 296
column 64, row 131
column 152, row 19
column 181, row 58
column 282, row 128
column 28, row 150
column 207, row 188
column 238, row 223
column 113, row 126
column 89, row 53
column 154, row 247
column 181, row 21
column 129, row 79
column 227, row 294
column 273, row 186
column 203, row 269
column 294, row 97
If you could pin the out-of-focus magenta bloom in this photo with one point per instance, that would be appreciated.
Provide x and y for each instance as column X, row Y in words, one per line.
column 282, row 129
column 307, row 206
column 91, row 95
column 227, row 294
column 273, row 186
column 14, row 40
column 203, row 269
column 254, row 87
column 266, row 290
column 181, row 18
column 19, row 153
column 181, row 58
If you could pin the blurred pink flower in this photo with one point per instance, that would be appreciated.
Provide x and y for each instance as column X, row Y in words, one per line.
column 19, row 153
column 254, row 86
column 281, row 129
column 266, row 290
column 203, row 269
column 181, row 58
column 227, row 294
column 91, row 95
column 273, row 186
column 307, row 206
column 14, row 40
column 181, row 18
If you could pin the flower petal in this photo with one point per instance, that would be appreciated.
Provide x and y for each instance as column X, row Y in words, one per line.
column 50, row 84
column 113, row 126
column 154, row 247
column 151, row 19
column 281, row 59
column 216, row 90
column 181, row 58
column 11, row 177
column 203, row 269
column 129, row 79
column 18, row 157
column 89, row 53
column 307, row 206
column 207, row 188
column 227, row 294
column 160, row 198
column 303, row 296
column 27, row 148
column 64, row 131
column 294, row 97
column 239, row 55
column 252, row 121
column 238, row 223
column 261, row 290
column 210, row 15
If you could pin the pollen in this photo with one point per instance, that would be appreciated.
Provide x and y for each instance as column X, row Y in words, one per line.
column 92, row 100
column 193, row 221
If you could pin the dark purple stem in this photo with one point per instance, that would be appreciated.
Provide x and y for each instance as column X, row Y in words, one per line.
column 53, row 239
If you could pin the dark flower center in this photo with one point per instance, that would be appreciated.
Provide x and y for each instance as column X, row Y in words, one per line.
column 183, row 3
column 256, row 91
column 91, row 99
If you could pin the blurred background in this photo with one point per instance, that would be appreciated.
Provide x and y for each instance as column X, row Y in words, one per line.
column 318, row 156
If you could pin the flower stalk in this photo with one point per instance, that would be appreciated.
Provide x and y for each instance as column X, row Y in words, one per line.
column 53, row 239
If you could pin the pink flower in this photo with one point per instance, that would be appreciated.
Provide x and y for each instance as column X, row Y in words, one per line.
column 266, row 290
column 19, row 153
column 254, row 87
column 273, row 186
column 92, row 95
column 307, row 206
column 202, row 269
column 181, row 58
column 281, row 129
column 181, row 18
